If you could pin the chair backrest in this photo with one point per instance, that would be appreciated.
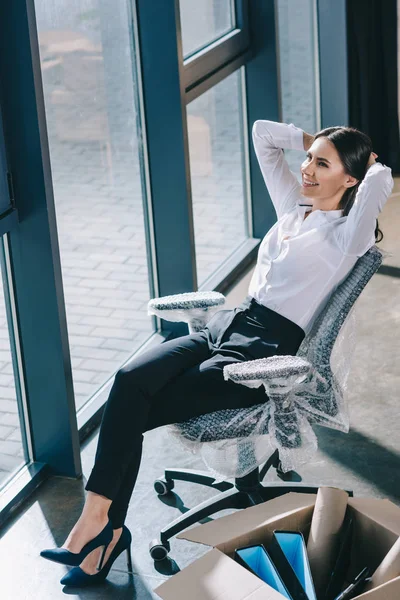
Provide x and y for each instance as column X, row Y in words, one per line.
column 318, row 344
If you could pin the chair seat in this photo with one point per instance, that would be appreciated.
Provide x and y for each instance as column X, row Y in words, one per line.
column 237, row 423
column 221, row 425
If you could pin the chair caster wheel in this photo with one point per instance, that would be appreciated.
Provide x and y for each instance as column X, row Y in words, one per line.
column 159, row 551
column 163, row 486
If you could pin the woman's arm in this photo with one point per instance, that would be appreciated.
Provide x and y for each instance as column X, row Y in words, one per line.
column 357, row 235
column 269, row 139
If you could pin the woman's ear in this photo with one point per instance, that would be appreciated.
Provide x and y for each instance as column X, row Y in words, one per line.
column 350, row 181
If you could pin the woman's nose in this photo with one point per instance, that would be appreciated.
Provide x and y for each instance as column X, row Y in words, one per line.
column 309, row 171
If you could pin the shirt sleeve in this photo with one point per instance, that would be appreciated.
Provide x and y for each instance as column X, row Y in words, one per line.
column 357, row 234
column 269, row 139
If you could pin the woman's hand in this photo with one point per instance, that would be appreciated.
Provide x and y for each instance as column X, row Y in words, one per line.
column 307, row 140
column 371, row 160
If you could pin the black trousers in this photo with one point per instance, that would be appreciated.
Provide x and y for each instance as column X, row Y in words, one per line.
column 177, row 380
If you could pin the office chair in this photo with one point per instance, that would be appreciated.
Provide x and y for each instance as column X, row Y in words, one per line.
column 248, row 490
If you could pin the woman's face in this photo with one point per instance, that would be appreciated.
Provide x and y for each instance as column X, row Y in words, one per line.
column 324, row 168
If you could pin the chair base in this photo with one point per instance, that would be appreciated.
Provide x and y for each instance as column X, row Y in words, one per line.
column 247, row 491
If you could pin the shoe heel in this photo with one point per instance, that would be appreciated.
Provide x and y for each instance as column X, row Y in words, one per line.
column 129, row 559
column 103, row 553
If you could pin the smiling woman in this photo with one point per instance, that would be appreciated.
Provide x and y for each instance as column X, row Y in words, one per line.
column 331, row 236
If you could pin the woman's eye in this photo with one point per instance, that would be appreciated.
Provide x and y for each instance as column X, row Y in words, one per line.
column 320, row 162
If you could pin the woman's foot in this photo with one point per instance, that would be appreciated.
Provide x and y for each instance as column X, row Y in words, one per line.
column 92, row 521
column 84, row 530
column 89, row 565
column 92, row 530
column 77, row 577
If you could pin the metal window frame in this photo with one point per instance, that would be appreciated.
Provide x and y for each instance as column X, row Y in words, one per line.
column 34, row 269
column 210, row 59
column 9, row 216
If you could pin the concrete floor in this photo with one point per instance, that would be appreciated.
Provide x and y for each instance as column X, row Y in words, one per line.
column 365, row 460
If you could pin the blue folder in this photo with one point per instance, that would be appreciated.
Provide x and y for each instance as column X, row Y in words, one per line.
column 289, row 554
column 257, row 560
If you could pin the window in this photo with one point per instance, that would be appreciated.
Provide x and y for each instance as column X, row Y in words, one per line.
column 214, row 33
column 217, row 159
column 90, row 91
column 204, row 22
column 297, row 39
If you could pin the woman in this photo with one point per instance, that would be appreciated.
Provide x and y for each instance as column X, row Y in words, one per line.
column 324, row 224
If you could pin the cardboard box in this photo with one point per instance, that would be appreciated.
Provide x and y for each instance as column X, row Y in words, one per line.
column 216, row 576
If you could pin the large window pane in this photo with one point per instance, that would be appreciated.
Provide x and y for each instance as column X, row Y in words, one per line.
column 90, row 89
column 297, row 39
column 215, row 126
column 12, row 455
column 204, row 22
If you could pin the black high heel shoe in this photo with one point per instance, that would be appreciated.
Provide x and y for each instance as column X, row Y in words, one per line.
column 65, row 557
column 78, row 578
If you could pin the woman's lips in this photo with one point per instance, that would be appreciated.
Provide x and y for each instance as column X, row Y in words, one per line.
column 308, row 185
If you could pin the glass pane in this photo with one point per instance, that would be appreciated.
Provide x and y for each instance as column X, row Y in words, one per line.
column 217, row 171
column 12, row 456
column 298, row 69
column 204, row 22
column 90, row 89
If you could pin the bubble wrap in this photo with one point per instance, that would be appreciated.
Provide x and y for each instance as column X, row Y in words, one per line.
column 310, row 388
column 194, row 308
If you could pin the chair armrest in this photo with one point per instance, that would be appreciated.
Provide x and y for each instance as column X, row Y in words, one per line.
column 194, row 308
column 289, row 430
column 279, row 374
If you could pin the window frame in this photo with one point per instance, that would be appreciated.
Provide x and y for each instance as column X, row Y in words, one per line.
column 203, row 64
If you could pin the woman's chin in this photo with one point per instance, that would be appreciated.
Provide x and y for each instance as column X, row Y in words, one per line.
column 306, row 191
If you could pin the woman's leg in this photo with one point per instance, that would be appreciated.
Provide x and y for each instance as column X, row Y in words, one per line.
column 199, row 390
column 202, row 388
column 124, row 420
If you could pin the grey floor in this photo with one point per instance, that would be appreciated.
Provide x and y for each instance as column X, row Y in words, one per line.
column 366, row 460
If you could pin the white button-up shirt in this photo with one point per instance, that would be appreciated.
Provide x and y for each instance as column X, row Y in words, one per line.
column 301, row 261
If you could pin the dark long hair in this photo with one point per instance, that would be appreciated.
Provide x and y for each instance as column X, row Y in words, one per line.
column 354, row 148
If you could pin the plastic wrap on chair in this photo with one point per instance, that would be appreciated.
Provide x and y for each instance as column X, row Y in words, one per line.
column 194, row 308
column 320, row 399
column 222, row 438
column 285, row 420
column 231, row 442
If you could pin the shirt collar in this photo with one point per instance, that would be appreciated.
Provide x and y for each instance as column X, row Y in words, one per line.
column 329, row 215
